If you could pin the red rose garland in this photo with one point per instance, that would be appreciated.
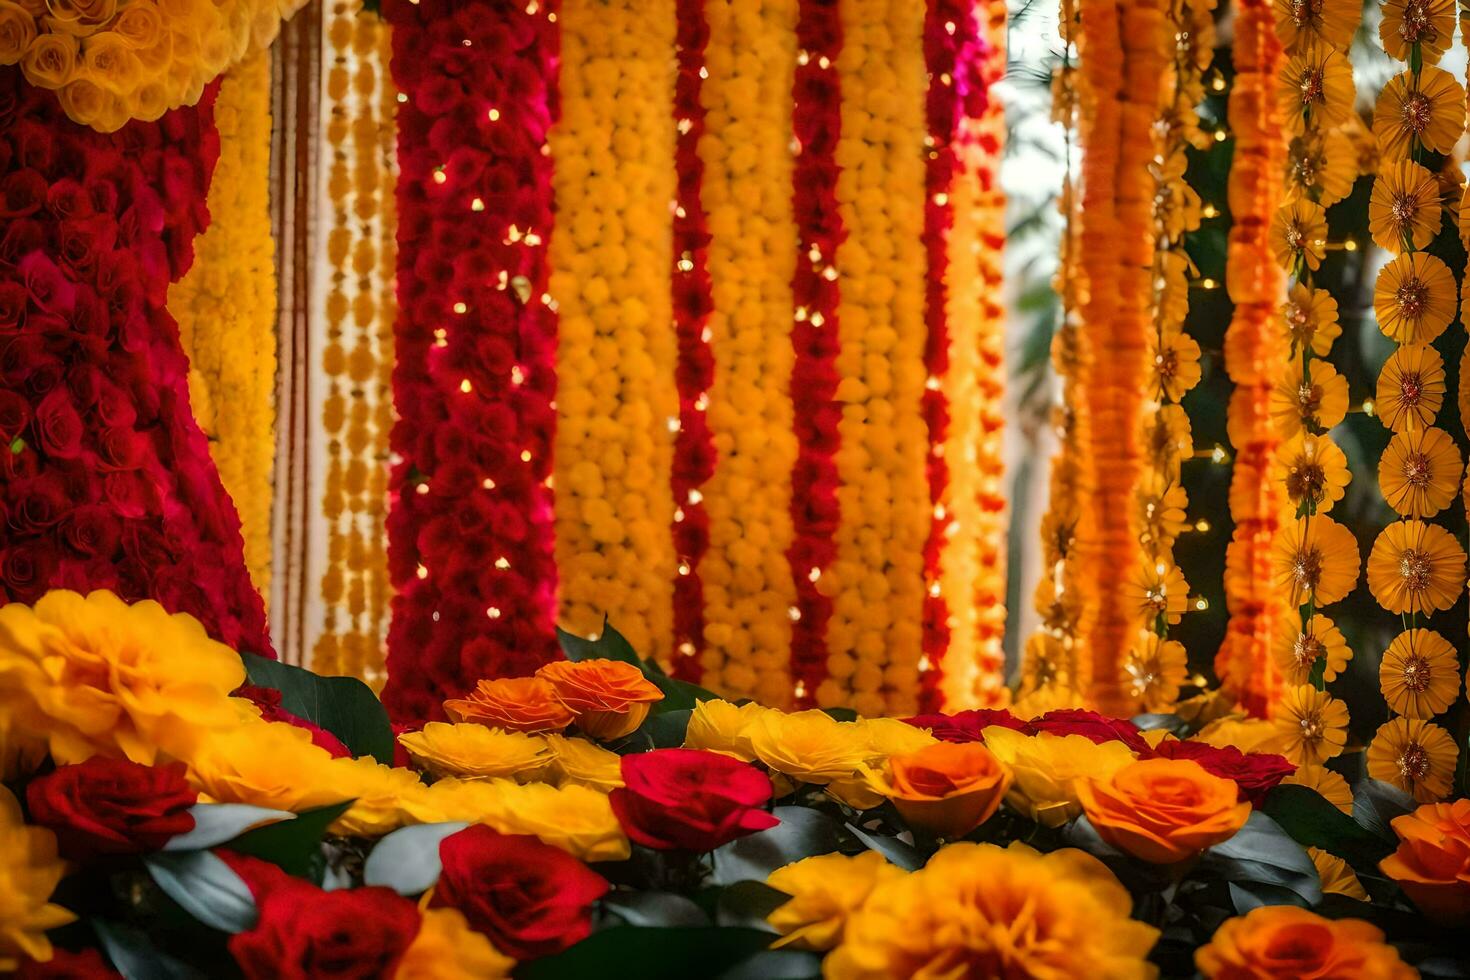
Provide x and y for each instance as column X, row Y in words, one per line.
column 470, row 530
column 105, row 479
column 816, row 93
column 694, row 448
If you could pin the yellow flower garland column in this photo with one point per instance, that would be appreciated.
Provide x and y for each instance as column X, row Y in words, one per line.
column 226, row 310
column 748, row 589
column 875, row 635
column 616, row 399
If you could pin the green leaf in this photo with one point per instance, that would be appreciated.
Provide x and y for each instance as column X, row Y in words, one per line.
column 134, row 956
column 897, row 852
column 746, row 904
column 801, row 833
column 655, row 909
column 205, row 887
column 841, row 714
column 296, row 845
column 407, row 860
column 17, row 446
column 1313, row 822
column 217, row 823
column 1376, row 804
column 344, row 706
column 667, row 729
column 1262, row 853
column 777, row 964
column 651, row 954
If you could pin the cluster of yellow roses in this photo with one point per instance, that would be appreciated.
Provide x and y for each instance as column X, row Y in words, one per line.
column 610, row 256
column 226, row 310
column 358, row 310
column 112, row 61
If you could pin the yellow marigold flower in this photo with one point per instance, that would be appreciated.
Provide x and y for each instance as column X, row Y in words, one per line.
column 1162, row 505
column 1337, row 878
column 1236, row 731
column 1277, row 942
column 95, row 675
column 1427, row 23
column 1429, row 112
column 446, row 948
column 574, row 818
column 1419, row 674
column 1416, row 567
column 1300, row 23
column 889, row 736
column 384, row 798
column 1411, row 387
column 809, row 746
column 1309, row 319
column 1047, row 767
column 722, row 726
column 1326, row 784
column 266, row 764
column 1316, row 405
column 1296, row 649
column 29, row 872
column 576, row 760
column 1311, row 726
column 1315, row 557
column 1316, row 84
column 1174, row 363
column 1298, row 235
column 977, row 910
column 1154, row 670
column 476, row 752
column 825, row 891
column 1416, row 756
column 1167, row 439
column 1414, row 298
column 1313, row 469
column 1156, row 588
column 1404, row 211
column 1320, row 166
column 1176, row 204
column 1419, row 473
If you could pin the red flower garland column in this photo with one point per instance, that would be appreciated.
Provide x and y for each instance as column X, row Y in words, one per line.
column 817, row 120
column 470, row 530
column 105, row 479
column 694, row 449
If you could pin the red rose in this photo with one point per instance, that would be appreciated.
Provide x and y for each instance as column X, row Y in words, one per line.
column 968, row 726
column 304, row 933
column 15, row 415
column 85, row 964
column 529, row 898
column 26, row 569
column 1255, row 773
column 58, row 425
column 48, row 286
column 1090, row 724
column 112, row 806
column 268, row 700
column 687, row 799
column 13, row 302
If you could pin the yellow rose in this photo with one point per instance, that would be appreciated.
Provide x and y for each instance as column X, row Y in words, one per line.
column 95, row 675
column 889, row 736
column 264, row 763
column 476, row 752
column 722, row 726
column 825, row 890
column 86, row 102
column 17, row 31
column 29, row 872
column 579, row 761
column 140, row 26
column 810, row 746
column 446, row 948
column 51, row 61
column 384, row 798
column 109, row 61
column 1047, row 768
column 79, row 17
column 576, row 819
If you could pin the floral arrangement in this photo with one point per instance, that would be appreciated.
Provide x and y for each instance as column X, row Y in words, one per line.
column 105, row 479
column 113, row 60
column 188, row 806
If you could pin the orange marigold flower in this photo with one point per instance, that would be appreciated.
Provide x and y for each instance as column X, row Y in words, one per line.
column 1299, row 235
column 1428, row 23
column 516, row 704
column 947, row 789
column 1316, row 84
column 1286, row 942
column 1411, row 387
column 1309, row 319
column 1428, row 111
column 1311, row 726
column 1416, row 756
column 1305, row 22
column 1315, row 557
column 1404, row 211
column 1315, row 406
column 610, row 698
column 1419, row 673
column 1297, row 649
column 1419, row 473
column 1416, row 567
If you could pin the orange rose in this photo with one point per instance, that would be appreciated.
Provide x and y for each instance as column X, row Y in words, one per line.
column 1432, row 863
column 1289, row 942
column 516, row 704
column 609, row 697
column 1163, row 810
column 947, row 789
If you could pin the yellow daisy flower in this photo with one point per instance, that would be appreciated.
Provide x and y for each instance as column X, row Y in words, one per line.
column 1174, row 363
column 1464, row 214
column 1042, row 667
column 1154, row 670
column 1430, row 114
column 1326, row 783
column 1162, row 505
column 1420, row 472
column 1156, row 588
column 1167, row 439
column 1309, row 318
column 1311, row 726
column 1305, row 22
column 1419, row 674
column 1316, row 407
column 1325, row 163
column 1176, row 204
column 1416, row 756
column 1365, row 147
column 1411, row 387
column 1416, row 567
column 1337, row 878
column 1414, row 298
column 1296, row 649
column 1315, row 556
column 1427, row 23
column 1299, row 235
column 1316, row 84
column 1313, row 469
column 1404, row 211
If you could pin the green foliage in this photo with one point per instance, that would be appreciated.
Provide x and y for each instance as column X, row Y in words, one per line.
column 344, row 706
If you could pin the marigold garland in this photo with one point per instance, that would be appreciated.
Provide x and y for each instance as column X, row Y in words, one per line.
column 613, row 178
column 470, row 531
column 112, row 61
column 226, row 310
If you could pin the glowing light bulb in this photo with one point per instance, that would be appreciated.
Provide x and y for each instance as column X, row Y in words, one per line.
column 493, row 612
column 494, row 115
column 502, row 563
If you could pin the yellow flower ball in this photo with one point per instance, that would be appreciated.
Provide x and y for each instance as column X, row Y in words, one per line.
column 825, row 891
